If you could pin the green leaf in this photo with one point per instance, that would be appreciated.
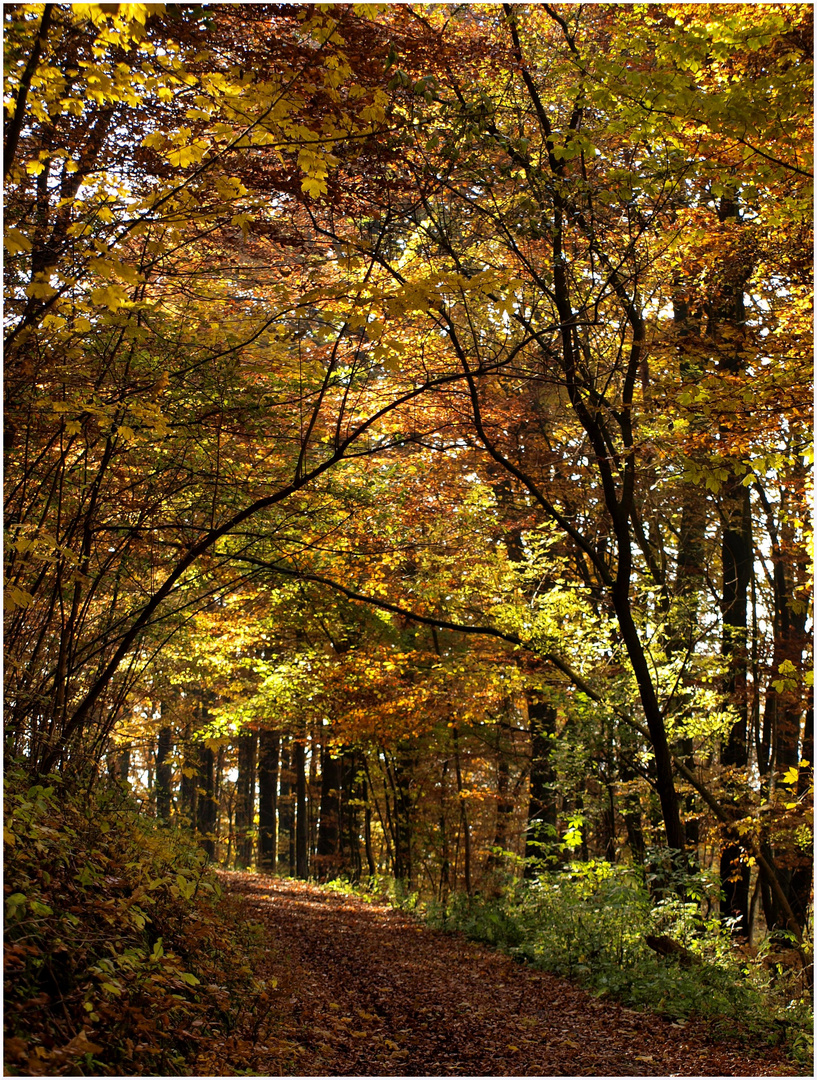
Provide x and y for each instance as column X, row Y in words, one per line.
column 15, row 905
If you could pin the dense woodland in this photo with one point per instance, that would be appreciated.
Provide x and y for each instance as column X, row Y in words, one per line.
column 407, row 436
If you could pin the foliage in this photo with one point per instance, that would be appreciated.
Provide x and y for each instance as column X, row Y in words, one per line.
column 421, row 396
column 119, row 957
column 590, row 921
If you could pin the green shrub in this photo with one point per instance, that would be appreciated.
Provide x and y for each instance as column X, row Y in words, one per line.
column 118, row 959
column 590, row 921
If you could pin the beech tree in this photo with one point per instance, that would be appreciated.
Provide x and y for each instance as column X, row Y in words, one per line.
column 463, row 355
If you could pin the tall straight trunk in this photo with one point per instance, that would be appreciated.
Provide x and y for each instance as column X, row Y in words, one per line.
column 218, row 792
column 150, row 764
column 607, row 824
column 737, row 556
column 367, row 828
column 352, row 796
column 631, row 812
column 164, row 772
column 313, row 797
column 301, row 819
column 465, row 828
column 206, row 810
column 540, row 838
column 398, row 770
column 784, row 706
column 445, row 858
column 268, row 750
column 245, row 799
column 505, row 803
column 188, row 788
column 800, row 883
column 328, row 846
column 690, row 571
column 286, row 810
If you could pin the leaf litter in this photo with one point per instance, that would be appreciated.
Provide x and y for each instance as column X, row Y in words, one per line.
column 365, row 990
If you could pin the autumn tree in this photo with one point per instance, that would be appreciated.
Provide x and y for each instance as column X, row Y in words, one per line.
column 465, row 349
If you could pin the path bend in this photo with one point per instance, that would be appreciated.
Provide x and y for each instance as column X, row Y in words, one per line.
column 364, row 990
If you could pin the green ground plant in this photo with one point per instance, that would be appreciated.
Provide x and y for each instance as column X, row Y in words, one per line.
column 590, row 922
column 120, row 956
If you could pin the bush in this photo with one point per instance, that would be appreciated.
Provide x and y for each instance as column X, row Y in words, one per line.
column 118, row 958
column 590, row 922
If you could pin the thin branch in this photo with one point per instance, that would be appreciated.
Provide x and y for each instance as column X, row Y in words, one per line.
column 15, row 125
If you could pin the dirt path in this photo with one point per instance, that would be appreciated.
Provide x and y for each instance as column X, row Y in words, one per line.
column 366, row 991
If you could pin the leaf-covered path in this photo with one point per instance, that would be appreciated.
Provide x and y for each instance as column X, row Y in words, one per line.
column 364, row 990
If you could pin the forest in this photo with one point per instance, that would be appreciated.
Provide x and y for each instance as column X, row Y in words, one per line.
column 407, row 476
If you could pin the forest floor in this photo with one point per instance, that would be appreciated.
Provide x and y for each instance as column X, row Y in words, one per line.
column 364, row 990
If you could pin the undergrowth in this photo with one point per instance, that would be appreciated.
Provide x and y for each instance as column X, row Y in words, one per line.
column 120, row 958
column 589, row 923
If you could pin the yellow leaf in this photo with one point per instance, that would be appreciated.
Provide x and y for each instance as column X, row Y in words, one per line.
column 15, row 241
column 187, row 155
column 34, row 168
column 111, row 296
column 40, row 290
column 14, row 597
column 314, row 186
column 242, row 221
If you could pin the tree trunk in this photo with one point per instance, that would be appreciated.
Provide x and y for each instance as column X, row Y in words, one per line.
column 269, row 745
column 505, row 804
column 245, row 800
column 737, row 556
column 206, row 815
column 664, row 779
column 465, row 828
column 737, row 568
column 541, row 836
column 286, row 808
column 119, row 767
column 301, row 819
column 445, row 858
column 367, row 832
column 189, row 789
column 352, row 797
column 631, row 812
column 607, row 824
column 164, row 773
column 328, row 846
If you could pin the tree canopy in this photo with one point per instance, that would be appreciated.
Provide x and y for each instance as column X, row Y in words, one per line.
column 418, row 395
